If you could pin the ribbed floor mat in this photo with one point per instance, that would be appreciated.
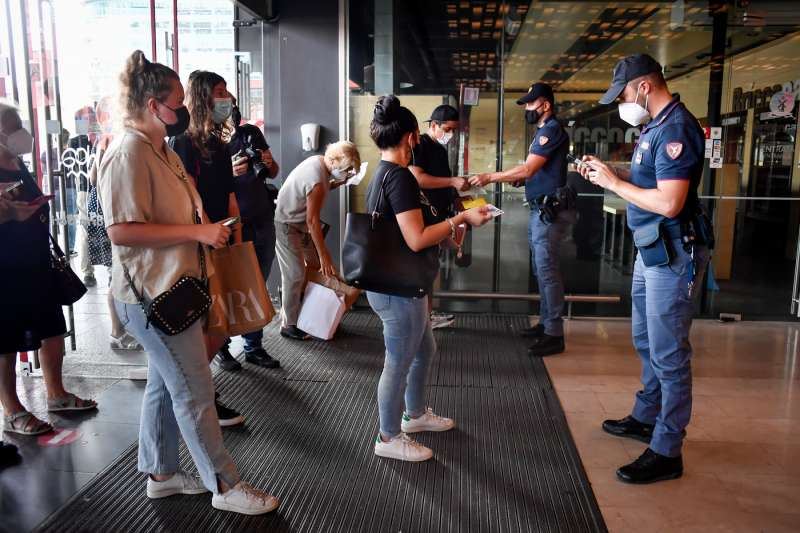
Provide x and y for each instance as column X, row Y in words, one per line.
column 509, row 466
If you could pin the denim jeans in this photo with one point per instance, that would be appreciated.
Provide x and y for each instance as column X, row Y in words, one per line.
column 545, row 241
column 263, row 238
column 409, row 343
column 179, row 397
column 661, row 319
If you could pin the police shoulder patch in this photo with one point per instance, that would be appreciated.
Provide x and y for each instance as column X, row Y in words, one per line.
column 543, row 140
column 674, row 150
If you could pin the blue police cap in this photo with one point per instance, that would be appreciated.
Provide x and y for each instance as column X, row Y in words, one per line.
column 628, row 69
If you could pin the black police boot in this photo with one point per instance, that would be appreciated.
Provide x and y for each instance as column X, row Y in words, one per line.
column 535, row 331
column 630, row 428
column 546, row 345
column 226, row 361
column 651, row 467
column 259, row 356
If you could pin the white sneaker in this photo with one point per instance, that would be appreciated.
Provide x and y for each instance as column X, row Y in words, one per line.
column 441, row 322
column 180, row 483
column 429, row 421
column 244, row 499
column 439, row 314
column 403, row 448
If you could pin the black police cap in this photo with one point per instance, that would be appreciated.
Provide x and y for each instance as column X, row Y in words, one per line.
column 537, row 90
column 628, row 69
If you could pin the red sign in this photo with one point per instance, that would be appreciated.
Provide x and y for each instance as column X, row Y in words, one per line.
column 59, row 437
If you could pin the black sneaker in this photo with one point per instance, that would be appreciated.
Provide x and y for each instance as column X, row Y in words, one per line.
column 89, row 280
column 630, row 428
column 227, row 416
column 260, row 357
column 535, row 331
column 293, row 332
column 651, row 467
column 546, row 345
column 226, row 361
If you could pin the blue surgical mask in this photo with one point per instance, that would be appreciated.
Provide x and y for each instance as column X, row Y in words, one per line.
column 222, row 110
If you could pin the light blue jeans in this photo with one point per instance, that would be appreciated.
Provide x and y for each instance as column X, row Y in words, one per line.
column 409, row 343
column 179, row 397
column 661, row 320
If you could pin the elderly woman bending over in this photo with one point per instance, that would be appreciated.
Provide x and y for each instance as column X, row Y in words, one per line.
column 300, row 242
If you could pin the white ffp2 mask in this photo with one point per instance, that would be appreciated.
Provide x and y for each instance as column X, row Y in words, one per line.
column 446, row 136
column 633, row 113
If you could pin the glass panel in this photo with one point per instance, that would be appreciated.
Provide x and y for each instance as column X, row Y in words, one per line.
column 205, row 38
column 753, row 189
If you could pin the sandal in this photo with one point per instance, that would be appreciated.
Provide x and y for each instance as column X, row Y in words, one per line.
column 24, row 423
column 70, row 402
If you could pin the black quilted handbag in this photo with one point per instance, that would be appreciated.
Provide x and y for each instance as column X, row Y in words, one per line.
column 68, row 286
column 375, row 256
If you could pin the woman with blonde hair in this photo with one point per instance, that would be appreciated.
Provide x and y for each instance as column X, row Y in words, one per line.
column 300, row 241
column 152, row 213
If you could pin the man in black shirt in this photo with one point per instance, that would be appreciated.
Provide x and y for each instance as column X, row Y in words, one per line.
column 256, row 200
column 430, row 165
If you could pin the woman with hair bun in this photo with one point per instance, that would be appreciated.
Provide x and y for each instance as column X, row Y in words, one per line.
column 152, row 214
column 407, row 330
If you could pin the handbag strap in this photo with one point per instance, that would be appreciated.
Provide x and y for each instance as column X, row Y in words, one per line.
column 381, row 193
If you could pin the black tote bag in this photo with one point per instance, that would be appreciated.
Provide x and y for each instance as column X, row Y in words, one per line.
column 375, row 256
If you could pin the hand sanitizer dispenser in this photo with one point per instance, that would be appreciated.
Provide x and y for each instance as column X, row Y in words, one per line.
column 310, row 137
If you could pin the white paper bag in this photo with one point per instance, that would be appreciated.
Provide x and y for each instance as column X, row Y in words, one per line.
column 321, row 312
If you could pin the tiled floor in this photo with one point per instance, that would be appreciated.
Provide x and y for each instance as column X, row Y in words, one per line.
column 742, row 453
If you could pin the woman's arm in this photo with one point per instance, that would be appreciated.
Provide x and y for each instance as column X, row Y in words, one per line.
column 418, row 236
column 137, row 235
column 316, row 199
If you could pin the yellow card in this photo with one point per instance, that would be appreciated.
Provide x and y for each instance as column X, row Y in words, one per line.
column 476, row 202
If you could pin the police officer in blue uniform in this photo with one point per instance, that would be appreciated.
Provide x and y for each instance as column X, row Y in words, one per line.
column 672, row 236
column 544, row 173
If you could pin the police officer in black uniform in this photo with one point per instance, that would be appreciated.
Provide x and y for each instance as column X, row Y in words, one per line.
column 673, row 237
column 544, row 173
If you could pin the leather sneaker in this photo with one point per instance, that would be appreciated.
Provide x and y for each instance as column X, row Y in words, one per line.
column 651, row 467
column 260, row 357
column 629, row 428
column 546, row 345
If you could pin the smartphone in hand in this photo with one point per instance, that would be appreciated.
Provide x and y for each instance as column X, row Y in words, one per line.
column 231, row 221
column 7, row 187
column 576, row 161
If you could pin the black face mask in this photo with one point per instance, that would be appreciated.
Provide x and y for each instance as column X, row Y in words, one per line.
column 532, row 116
column 173, row 130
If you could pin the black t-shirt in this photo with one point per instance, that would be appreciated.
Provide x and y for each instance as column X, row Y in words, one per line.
column 431, row 157
column 214, row 174
column 26, row 244
column 255, row 203
column 401, row 193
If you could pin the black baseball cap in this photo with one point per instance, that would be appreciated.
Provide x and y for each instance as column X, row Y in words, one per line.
column 444, row 113
column 537, row 90
column 628, row 69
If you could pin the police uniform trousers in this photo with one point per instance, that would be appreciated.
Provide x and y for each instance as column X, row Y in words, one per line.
column 545, row 240
column 661, row 320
